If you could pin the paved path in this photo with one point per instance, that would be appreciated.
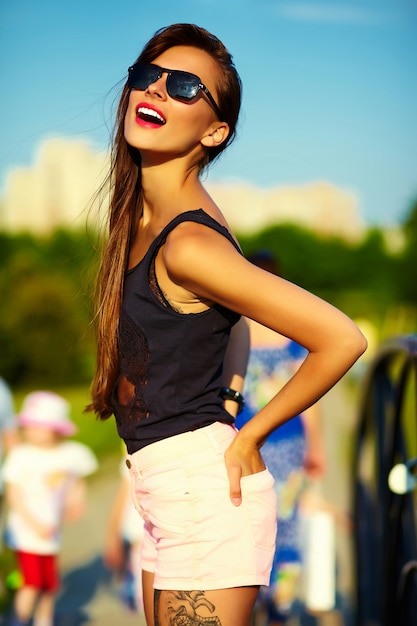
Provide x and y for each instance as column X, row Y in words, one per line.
column 89, row 596
column 89, row 592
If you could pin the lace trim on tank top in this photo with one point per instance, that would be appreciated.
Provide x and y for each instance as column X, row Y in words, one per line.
column 157, row 291
column 134, row 359
column 134, row 372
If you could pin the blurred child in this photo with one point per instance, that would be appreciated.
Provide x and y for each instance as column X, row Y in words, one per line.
column 123, row 543
column 44, row 484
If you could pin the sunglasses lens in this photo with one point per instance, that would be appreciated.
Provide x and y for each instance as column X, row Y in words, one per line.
column 142, row 75
column 182, row 85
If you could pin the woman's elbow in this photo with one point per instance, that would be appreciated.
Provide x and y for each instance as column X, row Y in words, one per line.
column 356, row 343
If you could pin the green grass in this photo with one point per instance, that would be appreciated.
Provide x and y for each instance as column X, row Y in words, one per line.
column 7, row 567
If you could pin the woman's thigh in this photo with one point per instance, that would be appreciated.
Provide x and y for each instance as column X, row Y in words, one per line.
column 218, row 607
column 148, row 596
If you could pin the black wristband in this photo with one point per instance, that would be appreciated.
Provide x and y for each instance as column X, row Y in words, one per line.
column 230, row 394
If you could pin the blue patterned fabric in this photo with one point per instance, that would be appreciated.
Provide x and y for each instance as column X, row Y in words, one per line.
column 269, row 368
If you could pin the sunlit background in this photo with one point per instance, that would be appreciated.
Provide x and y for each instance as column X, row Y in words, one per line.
column 323, row 173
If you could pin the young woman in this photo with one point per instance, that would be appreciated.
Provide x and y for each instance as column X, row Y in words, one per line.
column 172, row 285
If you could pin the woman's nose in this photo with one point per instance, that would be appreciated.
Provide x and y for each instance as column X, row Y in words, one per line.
column 158, row 87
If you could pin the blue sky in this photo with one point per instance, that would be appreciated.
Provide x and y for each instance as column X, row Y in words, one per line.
column 330, row 86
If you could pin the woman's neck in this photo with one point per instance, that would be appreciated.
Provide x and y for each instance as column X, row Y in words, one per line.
column 168, row 189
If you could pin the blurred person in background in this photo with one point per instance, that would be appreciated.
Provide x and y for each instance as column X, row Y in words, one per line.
column 294, row 454
column 8, row 427
column 123, row 542
column 45, row 487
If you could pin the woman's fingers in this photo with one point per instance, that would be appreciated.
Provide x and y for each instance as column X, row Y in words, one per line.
column 235, row 474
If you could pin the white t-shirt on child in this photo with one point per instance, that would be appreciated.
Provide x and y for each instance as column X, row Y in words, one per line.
column 44, row 476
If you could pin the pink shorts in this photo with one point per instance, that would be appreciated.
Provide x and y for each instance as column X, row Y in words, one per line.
column 195, row 538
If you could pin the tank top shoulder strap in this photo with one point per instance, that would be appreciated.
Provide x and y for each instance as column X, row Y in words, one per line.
column 199, row 216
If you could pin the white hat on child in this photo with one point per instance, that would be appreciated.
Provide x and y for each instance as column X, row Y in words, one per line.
column 47, row 409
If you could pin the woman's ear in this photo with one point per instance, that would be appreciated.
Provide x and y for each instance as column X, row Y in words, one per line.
column 216, row 134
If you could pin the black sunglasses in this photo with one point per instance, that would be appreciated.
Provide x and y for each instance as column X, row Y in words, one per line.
column 182, row 86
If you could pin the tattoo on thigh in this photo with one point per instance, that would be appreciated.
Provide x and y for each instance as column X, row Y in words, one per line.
column 181, row 608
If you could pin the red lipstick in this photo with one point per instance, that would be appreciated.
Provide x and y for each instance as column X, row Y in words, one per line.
column 149, row 116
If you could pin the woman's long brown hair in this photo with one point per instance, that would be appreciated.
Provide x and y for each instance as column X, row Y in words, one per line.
column 125, row 210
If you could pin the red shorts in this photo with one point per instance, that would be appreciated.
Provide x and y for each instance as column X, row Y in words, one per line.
column 39, row 570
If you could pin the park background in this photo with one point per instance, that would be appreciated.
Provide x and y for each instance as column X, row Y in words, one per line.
column 323, row 172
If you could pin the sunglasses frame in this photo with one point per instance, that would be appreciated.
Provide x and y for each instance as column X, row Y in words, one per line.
column 163, row 70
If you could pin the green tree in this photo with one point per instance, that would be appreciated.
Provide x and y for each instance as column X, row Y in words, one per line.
column 409, row 261
column 45, row 312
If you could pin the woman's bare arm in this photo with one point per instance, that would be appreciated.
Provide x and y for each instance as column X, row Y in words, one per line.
column 206, row 265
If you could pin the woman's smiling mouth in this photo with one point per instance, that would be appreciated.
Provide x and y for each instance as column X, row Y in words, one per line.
column 147, row 115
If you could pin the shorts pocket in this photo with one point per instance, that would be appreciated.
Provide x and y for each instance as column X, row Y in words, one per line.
column 164, row 498
column 260, row 501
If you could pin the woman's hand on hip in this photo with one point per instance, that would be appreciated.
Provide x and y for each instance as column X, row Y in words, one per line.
column 242, row 458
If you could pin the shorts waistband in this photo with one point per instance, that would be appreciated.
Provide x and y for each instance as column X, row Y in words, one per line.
column 212, row 436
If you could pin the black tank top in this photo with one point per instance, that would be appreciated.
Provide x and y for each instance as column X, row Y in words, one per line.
column 171, row 363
